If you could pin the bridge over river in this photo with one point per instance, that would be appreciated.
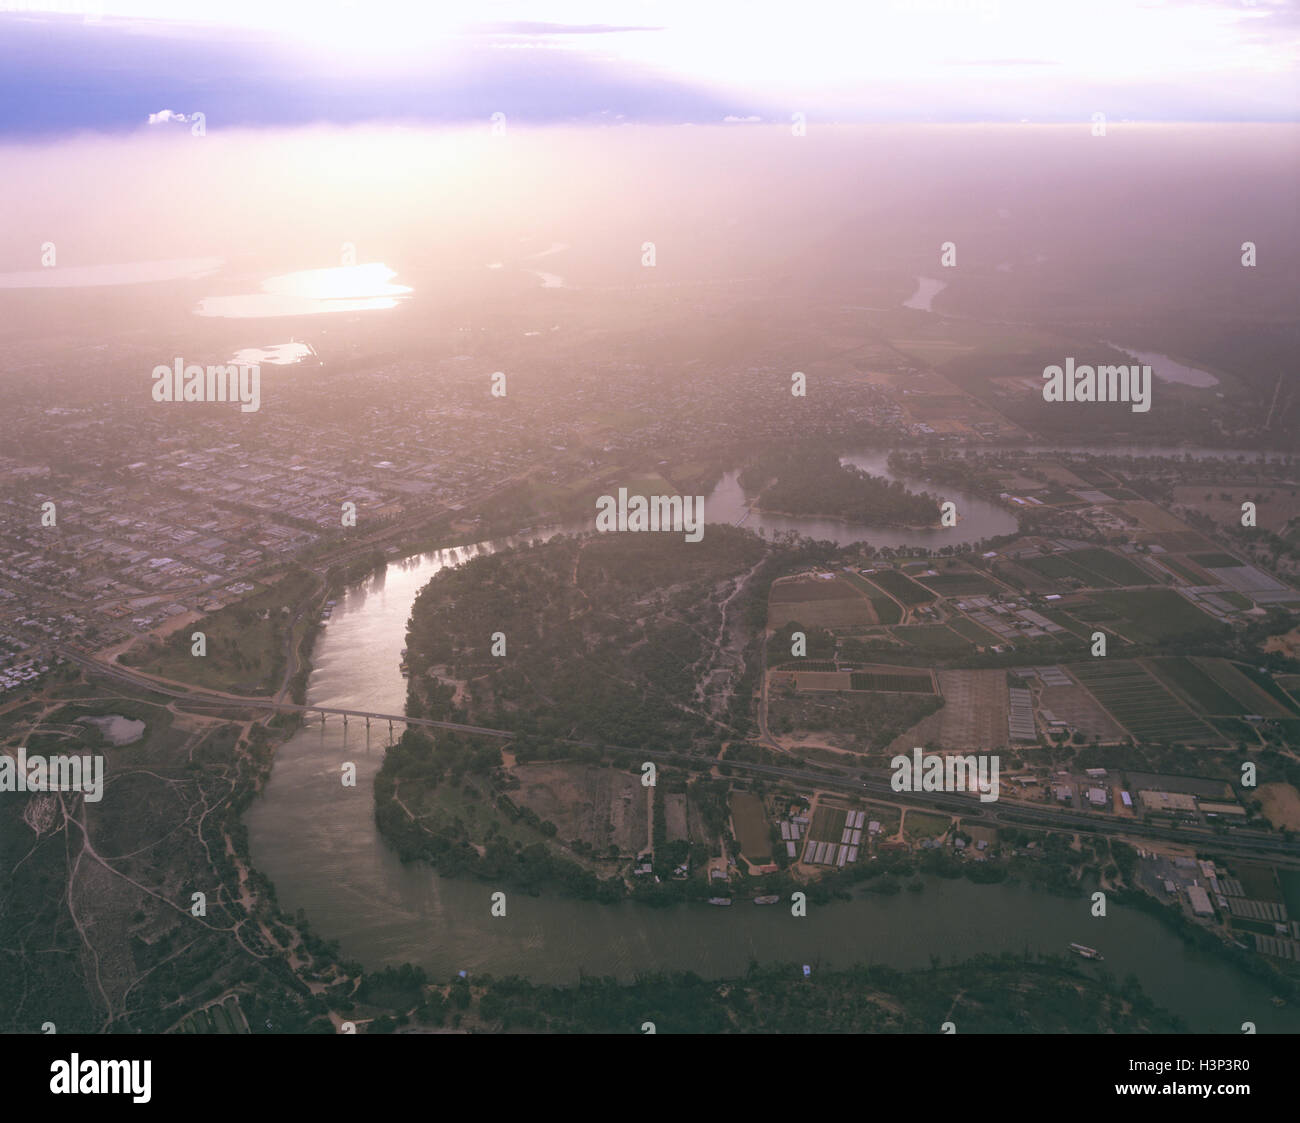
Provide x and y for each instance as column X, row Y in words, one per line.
column 219, row 700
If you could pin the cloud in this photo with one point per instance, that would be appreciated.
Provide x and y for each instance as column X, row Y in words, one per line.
column 166, row 117
column 525, row 27
column 732, row 119
column 1003, row 63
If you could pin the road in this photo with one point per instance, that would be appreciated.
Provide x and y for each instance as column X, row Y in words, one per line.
column 236, row 701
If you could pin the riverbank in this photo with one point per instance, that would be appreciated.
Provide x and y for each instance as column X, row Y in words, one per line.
column 986, row 994
column 882, row 525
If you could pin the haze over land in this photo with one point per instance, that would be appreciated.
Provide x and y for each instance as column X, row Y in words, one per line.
column 1133, row 236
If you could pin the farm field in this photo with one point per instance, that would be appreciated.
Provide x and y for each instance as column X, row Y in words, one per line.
column 1019, row 576
column 1256, row 695
column 974, row 714
column 752, row 829
column 823, row 680
column 1058, row 497
column 1059, row 474
column 903, row 587
column 1197, row 687
column 819, row 603
column 1140, row 702
column 827, row 824
column 1289, row 683
column 886, row 608
column 675, row 817
column 1057, row 567
column 1216, row 561
column 970, row 630
column 1152, row 517
column 223, row 1017
column 1096, row 567
column 903, row 682
column 1111, row 566
column 1076, row 705
column 925, row 824
column 1149, row 616
column 1075, row 627
column 1183, row 566
column 961, row 584
column 1220, row 688
column 933, row 639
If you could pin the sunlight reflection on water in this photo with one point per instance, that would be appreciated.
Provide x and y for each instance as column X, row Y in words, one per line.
column 311, row 292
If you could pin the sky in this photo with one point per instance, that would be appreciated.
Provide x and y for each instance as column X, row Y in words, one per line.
column 107, row 65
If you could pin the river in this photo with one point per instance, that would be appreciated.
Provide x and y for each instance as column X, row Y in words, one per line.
column 976, row 518
column 318, row 843
column 927, row 288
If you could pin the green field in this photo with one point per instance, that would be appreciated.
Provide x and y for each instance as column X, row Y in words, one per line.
column 1058, row 497
column 224, row 1017
column 960, row 584
column 827, row 824
column 1110, row 566
column 1058, row 567
column 887, row 610
column 1075, row 627
column 821, row 603
column 1204, row 693
column 221, row 1019
column 1096, row 567
column 1154, row 615
column 898, row 683
column 933, row 639
column 1266, row 683
column 973, row 632
column 1216, row 561
column 902, row 587
column 1139, row 702
column 1182, row 569
column 924, row 824
column 804, row 590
